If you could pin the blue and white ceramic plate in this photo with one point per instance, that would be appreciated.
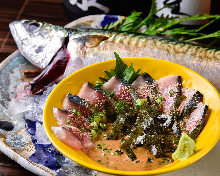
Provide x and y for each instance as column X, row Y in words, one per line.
column 28, row 144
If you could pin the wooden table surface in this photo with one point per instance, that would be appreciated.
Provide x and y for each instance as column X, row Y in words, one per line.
column 51, row 11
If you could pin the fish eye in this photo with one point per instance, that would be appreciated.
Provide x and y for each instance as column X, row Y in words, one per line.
column 33, row 27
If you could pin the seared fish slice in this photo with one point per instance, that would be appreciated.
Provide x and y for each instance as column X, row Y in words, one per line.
column 145, row 86
column 194, row 123
column 192, row 98
column 170, row 88
column 94, row 96
column 121, row 91
column 75, row 102
column 65, row 117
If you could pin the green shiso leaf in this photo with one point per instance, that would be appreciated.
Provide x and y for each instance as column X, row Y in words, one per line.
column 130, row 74
column 120, row 65
column 121, row 70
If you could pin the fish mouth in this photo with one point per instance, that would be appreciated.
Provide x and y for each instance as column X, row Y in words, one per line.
column 13, row 30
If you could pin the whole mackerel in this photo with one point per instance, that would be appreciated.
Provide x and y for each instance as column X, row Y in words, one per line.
column 39, row 42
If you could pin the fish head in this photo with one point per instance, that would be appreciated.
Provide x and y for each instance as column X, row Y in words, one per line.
column 38, row 42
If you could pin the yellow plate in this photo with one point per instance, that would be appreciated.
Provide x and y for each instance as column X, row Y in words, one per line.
column 157, row 69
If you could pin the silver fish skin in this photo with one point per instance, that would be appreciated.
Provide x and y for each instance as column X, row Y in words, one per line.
column 38, row 42
column 89, row 46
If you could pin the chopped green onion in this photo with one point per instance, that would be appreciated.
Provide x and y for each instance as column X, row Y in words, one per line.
column 98, row 84
column 68, row 122
column 140, row 102
column 94, row 124
column 76, row 112
column 94, row 134
column 91, row 119
column 103, row 126
column 97, row 118
column 159, row 100
column 96, row 106
column 119, row 105
column 111, row 94
column 171, row 92
column 104, row 118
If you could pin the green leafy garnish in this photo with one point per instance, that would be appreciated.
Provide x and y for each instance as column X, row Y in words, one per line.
column 126, row 73
column 130, row 74
column 140, row 102
column 98, row 84
column 98, row 122
column 119, row 105
column 68, row 122
column 167, row 26
column 109, row 75
column 171, row 92
column 111, row 94
column 120, row 65
column 103, row 126
column 126, row 24
column 76, row 112
column 159, row 100
column 94, row 133
column 94, row 124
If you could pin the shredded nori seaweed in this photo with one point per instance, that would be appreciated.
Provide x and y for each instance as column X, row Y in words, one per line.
column 125, row 117
column 130, row 153
column 143, row 123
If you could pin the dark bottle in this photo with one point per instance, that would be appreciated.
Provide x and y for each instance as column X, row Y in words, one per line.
column 79, row 8
column 183, row 8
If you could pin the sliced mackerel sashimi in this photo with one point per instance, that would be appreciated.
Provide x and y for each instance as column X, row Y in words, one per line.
column 75, row 102
column 192, row 98
column 92, row 95
column 73, row 137
column 121, row 91
column 65, row 117
column 67, row 137
column 170, row 88
column 145, row 86
column 84, row 138
column 195, row 122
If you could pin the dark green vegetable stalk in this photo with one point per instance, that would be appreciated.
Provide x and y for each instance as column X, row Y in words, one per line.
column 167, row 26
